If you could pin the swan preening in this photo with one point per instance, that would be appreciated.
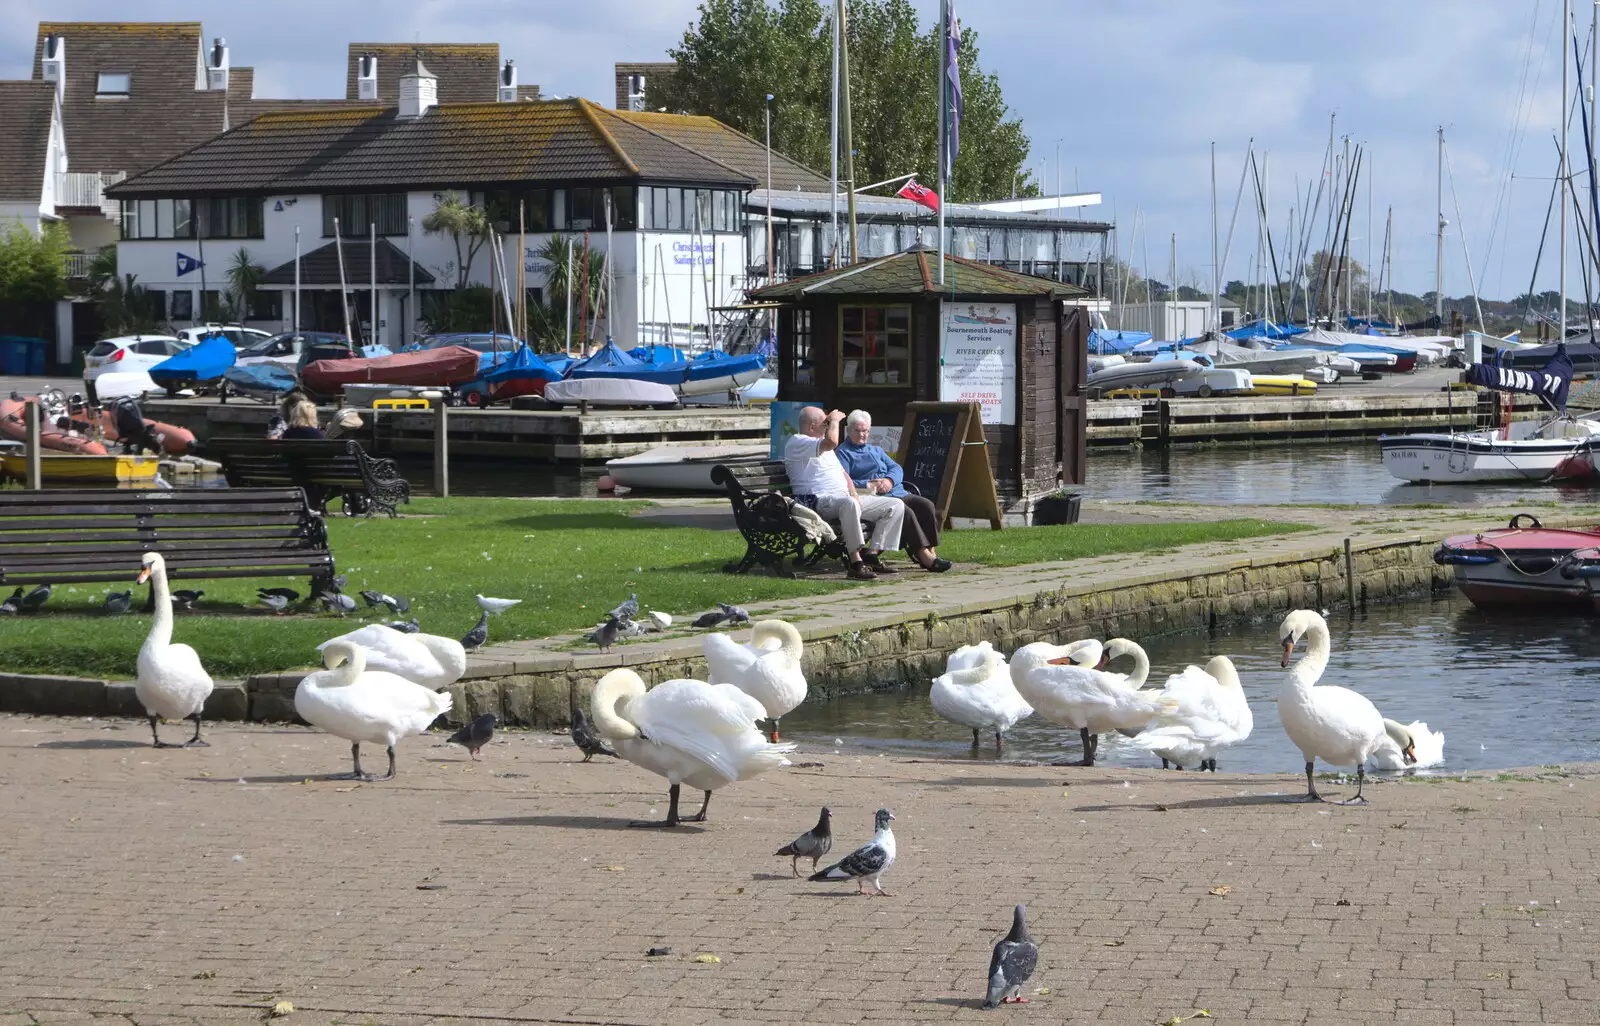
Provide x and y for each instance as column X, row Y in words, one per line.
column 350, row 701
column 767, row 669
column 427, row 659
column 1060, row 690
column 1212, row 714
column 1325, row 722
column 171, row 684
column 691, row 732
column 1408, row 746
column 976, row 691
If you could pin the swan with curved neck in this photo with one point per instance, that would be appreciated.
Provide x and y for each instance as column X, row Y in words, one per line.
column 426, row 659
column 976, row 691
column 171, row 683
column 1335, row 724
column 1408, row 746
column 1212, row 714
column 768, row 669
column 1054, row 681
column 350, row 701
column 691, row 732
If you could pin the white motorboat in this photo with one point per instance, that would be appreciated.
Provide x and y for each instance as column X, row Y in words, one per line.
column 1155, row 373
column 681, row 468
column 1560, row 449
column 1208, row 382
column 614, row 392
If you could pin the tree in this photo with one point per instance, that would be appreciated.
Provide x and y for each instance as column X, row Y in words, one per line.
column 738, row 51
column 244, row 278
column 547, row 321
column 468, row 227
column 33, row 267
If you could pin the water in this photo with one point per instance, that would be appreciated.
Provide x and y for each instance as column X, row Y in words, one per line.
column 1270, row 475
column 1507, row 691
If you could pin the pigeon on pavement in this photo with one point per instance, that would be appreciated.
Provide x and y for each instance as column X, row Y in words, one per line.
column 735, row 614
column 868, row 862
column 627, row 610
column 36, row 598
column 586, row 739
column 1012, row 964
column 119, row 602
column 813, row 844
column 606, row 634
column 496, row 605
column 475, row 734
column 710, row 619
column 660, row 621
column 479, row 634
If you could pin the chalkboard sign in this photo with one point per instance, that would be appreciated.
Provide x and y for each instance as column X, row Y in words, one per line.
column 944, row 453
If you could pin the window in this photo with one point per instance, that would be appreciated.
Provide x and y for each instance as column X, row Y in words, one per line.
column 674, row 210
column 356, row 213
column 800, row 351
column 113, row 84
column 228, row 217
column 658, row 209
column 581, row 212
column 183, row 305
column 266, row 306
column 155, row 347
column 214, row 306
column 875, row 345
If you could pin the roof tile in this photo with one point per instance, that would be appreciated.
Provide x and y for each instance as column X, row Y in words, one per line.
column 908, row 273
column 26, row 111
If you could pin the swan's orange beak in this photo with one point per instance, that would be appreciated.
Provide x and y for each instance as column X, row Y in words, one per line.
column 1411, row 753
column 1104, row 659
column 144, row 575
column 1288, row 650
column 1062, row 661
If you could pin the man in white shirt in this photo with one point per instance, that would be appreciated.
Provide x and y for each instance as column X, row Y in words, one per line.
column 814, row 471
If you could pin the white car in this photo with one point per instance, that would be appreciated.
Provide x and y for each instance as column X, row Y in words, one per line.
column 240, row 337
column 127, row 355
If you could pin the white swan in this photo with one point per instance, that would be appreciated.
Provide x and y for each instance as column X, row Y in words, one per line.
column 350, row 701
column 976, row 691
column 427, row 659
column 1091, row 700
column 1115, row 649
column 1408, row 746
column 690, row 732
column 1212, row 714
column 768, row 669
column 1334, row 724
column 171, row 684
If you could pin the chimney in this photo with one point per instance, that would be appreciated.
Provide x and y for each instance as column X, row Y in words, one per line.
column 54, row 64
column 419, row 92
column 508, row 82
column 217, row 66
column 636, row 92
column 367, row 78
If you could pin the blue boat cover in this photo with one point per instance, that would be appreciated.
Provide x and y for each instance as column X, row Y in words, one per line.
column 264, row 378
column 1550, row 383
column 559, row 363
column 658, row 355
column 206, row 360
column 1265, row 329
column 524, row 363
column 611, row 362
column 1103, row 342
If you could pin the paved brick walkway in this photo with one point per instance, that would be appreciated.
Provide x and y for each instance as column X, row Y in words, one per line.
column 204, row 886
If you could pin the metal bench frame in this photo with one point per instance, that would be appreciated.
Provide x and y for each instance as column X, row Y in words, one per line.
column 324, row 468
column 766, row 523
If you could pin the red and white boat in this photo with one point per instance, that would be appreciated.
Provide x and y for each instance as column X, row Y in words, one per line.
column 1523, row 565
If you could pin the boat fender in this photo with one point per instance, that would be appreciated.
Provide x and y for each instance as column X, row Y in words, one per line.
column 1455, row 557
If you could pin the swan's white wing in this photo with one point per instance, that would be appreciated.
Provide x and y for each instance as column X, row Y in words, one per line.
column 181, row 664
column 726, row 659
column 699, row 719
column 1196, row 693
column 775, row 683
column 1347, row 713
column 967, row 656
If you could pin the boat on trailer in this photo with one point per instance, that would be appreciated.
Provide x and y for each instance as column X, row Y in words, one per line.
column 1524, row 564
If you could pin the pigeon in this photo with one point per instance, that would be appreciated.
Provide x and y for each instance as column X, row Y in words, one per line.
column 1012, row 964
column 276, row 603
column 710, row 619
column 586, row 739
column 479, row 634
column 287, row 594
column 339, row 582
column 735, row 614
column 183, row 598
column 36, row 598
column 868, row 862
column 337, row 602
column 475, row 734
column 405, row 626
column 496, row 606
column 374, row 599
column 119, row 602
column 660, row 621
column 631, row 629
column 606, row 634
column 627, row 610
column 11, row 605
column 813, row 844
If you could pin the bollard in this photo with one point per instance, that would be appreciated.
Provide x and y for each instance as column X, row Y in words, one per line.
column 441, row 449
column 1349, row 575
column 35, row 479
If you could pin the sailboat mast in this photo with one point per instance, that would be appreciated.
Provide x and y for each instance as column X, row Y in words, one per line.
column 1566, row 100
column 1438, row 250
column 844, row 124
column 1388, row 256
column 1369, row 249
column 1216, row 310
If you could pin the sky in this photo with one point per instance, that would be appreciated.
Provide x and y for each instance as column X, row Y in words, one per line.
column 1132, row 96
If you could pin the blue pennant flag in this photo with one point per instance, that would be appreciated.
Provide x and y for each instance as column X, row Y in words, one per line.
column 954, row 106
column 187, row 263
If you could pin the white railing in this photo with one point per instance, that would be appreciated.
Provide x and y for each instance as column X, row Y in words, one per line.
column 78, row 264
column 80, row 190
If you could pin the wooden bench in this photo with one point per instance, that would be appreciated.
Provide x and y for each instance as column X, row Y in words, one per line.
column 761, row 497
column 324, row 468
column 94, row 535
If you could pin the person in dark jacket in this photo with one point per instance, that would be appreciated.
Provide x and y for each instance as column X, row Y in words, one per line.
column 302, row 417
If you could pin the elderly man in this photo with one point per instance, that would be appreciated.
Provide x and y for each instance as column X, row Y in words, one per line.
column 820, row 482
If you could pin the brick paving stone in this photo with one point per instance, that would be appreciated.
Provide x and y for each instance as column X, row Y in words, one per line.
column 202, row 886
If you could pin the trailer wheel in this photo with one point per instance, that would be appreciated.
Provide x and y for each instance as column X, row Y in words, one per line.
column 1204, row 391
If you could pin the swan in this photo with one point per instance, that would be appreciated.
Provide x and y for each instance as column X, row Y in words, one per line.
column 767, row 669
column 350, row 701
column 1212, row 714
column 1411, row 746
column 1061, row 691
column 690, row 732
column 427, row 659
column 976, row 691
column 1335, row 724
column 1115, row 649
column 171, row 684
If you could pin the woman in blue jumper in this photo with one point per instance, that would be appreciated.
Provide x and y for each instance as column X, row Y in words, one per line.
column 876, row 473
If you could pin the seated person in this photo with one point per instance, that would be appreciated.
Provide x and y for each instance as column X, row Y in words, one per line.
column 821, row 483
column 875, row 472
column 302, row 418
column 345, row 424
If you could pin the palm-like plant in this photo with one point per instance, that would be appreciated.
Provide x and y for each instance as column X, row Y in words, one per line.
column 468, row 227
column 244, row 279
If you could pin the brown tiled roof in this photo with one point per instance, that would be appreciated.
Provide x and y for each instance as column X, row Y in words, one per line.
column 467, row 72
column 163, row 115
column 366, row 147
column 653, row 71
column 729, row 146
column 321, row 266
column 915, row 272
column 26, row 110
column 241, row 84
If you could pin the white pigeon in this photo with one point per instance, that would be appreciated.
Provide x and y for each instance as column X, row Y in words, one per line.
column 660, row 619
column 496, row 606
column 1211, row 715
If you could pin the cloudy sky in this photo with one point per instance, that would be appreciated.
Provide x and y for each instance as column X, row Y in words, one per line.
column 1132, row 93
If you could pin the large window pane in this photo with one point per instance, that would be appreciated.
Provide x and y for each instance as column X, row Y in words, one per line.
column 702, row 210
column 538, row 210
column 875, row 346
column 674, row 210
column 182, row 227
column 147, row 219
column 582, row 213
column 659, row 219
column 164, row 219
column 624, row 208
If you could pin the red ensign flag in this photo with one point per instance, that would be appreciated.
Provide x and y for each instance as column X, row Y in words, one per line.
column 918, row 193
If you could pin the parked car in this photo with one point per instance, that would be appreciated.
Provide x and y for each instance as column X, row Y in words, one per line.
column 239, row 336
column 481, row 342
column 126, row 354
column 284, row 350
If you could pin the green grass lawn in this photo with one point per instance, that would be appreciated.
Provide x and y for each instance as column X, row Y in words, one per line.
column 569, row 561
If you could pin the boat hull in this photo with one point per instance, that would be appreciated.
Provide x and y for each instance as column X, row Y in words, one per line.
column 1520, row 567
column 680, row 468
column 65, row 468
column 1466, row 458
column 14, row 425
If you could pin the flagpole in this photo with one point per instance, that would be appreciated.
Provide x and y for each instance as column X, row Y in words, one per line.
column 296, row 327
column 944, row 122
column 833, row 192
column 844, row 115
column 344, row 298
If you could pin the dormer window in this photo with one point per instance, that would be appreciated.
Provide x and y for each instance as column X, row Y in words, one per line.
column 113, row 84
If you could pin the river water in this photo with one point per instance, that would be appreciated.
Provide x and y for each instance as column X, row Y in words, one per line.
column 1506, row 691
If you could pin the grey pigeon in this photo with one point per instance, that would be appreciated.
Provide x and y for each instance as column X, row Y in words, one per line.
column 868, row 862
column 36, row 598
column 1012, row 964
column 631, row 629
column 287, row 594
column 586, row 739
column 339, row 582
column 11, row 605
column 813, row 844
column 337, row 602
column 735, row 614
column 627, row 610
column 475, row 734
column 183, row 598
column 606, row 634
column 478, row 636
column 119, row 602
column 276, row 603
column 710, row 619
column 410, row 626
column 396, row 605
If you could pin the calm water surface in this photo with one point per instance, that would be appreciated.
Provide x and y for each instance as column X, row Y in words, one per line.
column 1506, row 691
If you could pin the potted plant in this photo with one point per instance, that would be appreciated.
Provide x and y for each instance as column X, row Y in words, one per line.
column 1059, row 507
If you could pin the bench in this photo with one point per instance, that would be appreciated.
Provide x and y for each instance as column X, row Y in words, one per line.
column 95, row 535
column 760, row 494
column 323, row 467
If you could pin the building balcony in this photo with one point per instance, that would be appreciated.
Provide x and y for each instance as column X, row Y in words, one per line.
column 79, row 191
column 78, row 264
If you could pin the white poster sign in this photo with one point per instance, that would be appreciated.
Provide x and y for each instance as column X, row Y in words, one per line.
column 979, row 346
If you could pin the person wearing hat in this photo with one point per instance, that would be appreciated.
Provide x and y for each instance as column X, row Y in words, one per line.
column 345, row 424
